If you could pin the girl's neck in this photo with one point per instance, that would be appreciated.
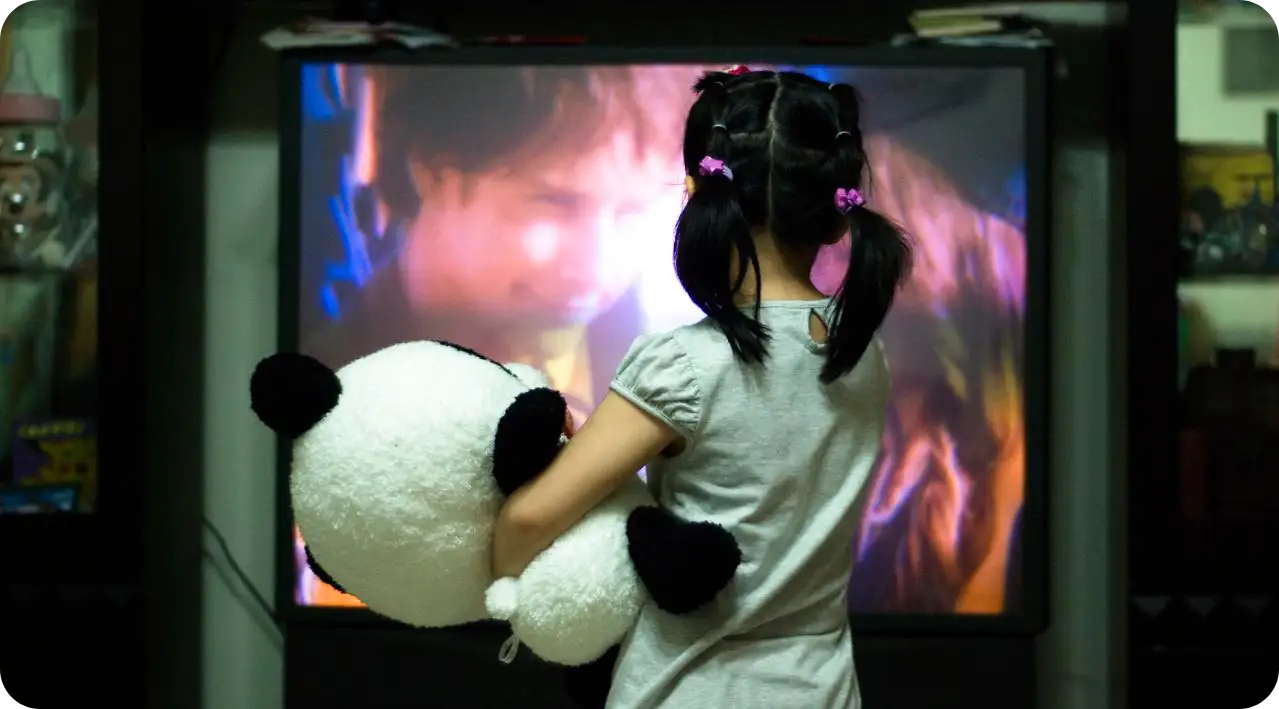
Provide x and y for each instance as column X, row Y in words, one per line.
column 774, row 291
column 782, row 275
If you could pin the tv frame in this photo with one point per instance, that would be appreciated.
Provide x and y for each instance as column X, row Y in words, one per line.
column 1034, row 63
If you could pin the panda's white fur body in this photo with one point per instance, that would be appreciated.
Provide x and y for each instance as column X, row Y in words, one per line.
column 580, row 596
column 394, row 494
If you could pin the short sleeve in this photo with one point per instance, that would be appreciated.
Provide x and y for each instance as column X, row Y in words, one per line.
column 658, row 376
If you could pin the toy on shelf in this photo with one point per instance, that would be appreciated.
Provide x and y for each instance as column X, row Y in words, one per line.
column 82, row 138
column 58, row 453
column 28, row 338
column 41, row 499
column 33, row 227
column 1229, row 217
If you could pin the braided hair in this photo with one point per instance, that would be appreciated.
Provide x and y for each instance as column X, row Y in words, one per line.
column 788, row 144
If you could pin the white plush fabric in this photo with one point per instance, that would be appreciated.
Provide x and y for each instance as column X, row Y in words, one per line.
column 393, row 492
column 580, row 596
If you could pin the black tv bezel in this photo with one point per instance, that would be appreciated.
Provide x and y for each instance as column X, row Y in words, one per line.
column 1032, row 618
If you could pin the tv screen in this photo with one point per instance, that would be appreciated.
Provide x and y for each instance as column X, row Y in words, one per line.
column 527, row 212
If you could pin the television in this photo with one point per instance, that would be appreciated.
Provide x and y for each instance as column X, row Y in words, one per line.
column 521, row 202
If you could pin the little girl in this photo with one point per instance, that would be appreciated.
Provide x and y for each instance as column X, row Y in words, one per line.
column 765, row 417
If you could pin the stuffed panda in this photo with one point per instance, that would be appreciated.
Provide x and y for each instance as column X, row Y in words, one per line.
column 401, row 461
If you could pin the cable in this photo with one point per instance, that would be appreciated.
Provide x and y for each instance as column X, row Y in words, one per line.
column 258, row 599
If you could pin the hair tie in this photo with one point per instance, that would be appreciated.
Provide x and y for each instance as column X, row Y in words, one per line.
column 710, row 166
column 719, row 126
column 847, row 199
column 843, row 133
column 737, row 70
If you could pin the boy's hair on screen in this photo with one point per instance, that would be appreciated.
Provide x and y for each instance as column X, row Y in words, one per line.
column 476, row 119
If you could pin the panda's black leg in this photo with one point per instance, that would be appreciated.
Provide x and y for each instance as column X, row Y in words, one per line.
column 588, row 686
column 528, row 437
column 683, row 565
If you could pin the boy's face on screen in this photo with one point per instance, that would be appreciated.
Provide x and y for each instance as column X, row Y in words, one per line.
column 553, row 234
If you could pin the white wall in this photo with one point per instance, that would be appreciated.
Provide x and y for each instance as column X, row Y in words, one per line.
column 1204, row 113
column 1236, row 313
column 243, row 657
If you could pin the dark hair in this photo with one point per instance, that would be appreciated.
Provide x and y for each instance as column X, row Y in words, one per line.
column 465, row 132
column 790, row 142
column 492, row 113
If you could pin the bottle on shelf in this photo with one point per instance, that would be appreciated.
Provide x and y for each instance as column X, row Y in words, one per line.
column 33, row 217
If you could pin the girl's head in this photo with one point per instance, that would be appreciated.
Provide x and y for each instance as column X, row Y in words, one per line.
column 793, row 164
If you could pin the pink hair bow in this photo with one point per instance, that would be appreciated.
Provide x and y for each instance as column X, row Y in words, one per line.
column 737, row 70
column 712, row 166
column 846, row 199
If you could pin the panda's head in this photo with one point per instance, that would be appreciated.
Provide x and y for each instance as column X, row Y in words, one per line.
column 393, row 470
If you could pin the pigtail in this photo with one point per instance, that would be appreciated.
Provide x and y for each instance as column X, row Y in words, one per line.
column 712, row 230
column 880, row 257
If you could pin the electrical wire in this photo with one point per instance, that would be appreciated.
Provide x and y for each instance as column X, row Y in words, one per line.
column 241, row 576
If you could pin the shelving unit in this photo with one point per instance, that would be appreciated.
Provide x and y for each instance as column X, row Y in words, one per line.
column 72, row 580
column 1202, row 505
column 48, row 271
column 1234, row 309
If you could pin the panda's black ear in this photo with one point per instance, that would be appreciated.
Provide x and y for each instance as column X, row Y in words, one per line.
column 292, row 392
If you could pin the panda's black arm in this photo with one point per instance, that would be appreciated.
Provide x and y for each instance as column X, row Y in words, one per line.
column 528, row 437
column 682, row 564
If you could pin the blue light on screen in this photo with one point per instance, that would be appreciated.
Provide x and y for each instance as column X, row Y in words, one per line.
column 1015, row 193
column 821, row 73
column 320, row 93
column 322, row 103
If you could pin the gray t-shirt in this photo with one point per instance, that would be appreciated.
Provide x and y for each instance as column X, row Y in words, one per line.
column 779, row 459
